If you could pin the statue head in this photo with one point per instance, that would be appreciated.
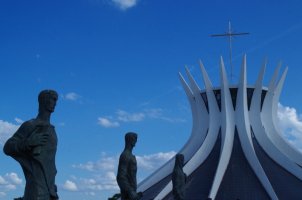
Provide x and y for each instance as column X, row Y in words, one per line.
column 179, row 160
column 47, row 100
column 130, row 139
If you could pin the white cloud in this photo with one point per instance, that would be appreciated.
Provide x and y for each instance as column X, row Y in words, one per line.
column 154, row 112
column 2, row 181
column 18, row 120
column 72, row 96
column 105, row 163
column 129, row 117
column 10, row 187
column 104, row 171
column 87, row 166
column 9, row 183
column 107, row 123
column 109, row 163
column 14, row 178
column 70, row 186
column 157, row 113
column 124, row 4
column 126, row 117
column 104, row 180
column 290, row 124
column 2, row 194
column 154, row 161
column 7, row 129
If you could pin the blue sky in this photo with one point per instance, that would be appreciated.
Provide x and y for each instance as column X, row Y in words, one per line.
column 114, row 64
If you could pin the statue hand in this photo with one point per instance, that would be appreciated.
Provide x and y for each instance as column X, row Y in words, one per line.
column 37, row 139
column 136, row 196
column 140, row 195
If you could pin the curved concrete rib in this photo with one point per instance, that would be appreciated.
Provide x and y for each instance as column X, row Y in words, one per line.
column 267, row 115
column 244, row 132
column 209, row 142
column 260, row 135
column 191, row 146
column 202, row 114
column 214, row 125
column 276, row 97
column 227, row 130
column 295, row 155
column 256, row 98
column 273, row 81
column 188, row 149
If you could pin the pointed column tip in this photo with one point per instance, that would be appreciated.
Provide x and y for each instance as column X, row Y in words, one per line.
column 244, row 56
column 221, row 59
column 243, row 71
column 286, row 69
column 244, row 60
column 205, row 76
column 222, row 67
column 187, row 69
column 273, row 80
column 200, row 62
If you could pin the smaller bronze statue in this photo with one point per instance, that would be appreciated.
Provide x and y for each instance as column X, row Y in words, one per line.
column 179, row 178
column 34, row 146
column 127, row 168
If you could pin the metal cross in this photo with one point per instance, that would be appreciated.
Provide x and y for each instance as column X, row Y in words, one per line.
column 229, row 34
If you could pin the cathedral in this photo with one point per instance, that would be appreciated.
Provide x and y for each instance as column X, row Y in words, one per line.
column 235, row 151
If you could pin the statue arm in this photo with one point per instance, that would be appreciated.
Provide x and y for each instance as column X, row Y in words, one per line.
column 123, row 179
column 16, row 145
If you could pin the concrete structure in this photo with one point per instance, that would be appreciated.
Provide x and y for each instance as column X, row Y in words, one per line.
column 235, row 150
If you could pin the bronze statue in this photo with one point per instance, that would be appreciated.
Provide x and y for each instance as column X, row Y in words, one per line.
column 34, row 146
column 179, row 178
column 127, row 168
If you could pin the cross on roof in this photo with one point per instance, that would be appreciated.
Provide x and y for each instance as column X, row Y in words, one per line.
column 230, row 34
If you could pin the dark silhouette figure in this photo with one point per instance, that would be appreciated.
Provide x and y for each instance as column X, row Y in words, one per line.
column 179, row 178
column 127, row 168
column 34, row 146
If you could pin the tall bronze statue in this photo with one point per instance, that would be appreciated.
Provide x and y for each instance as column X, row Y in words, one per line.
column 127, row 168
column 179, row 178
column 34, row 146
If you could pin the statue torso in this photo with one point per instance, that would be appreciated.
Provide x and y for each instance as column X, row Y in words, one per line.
column 40, row 168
